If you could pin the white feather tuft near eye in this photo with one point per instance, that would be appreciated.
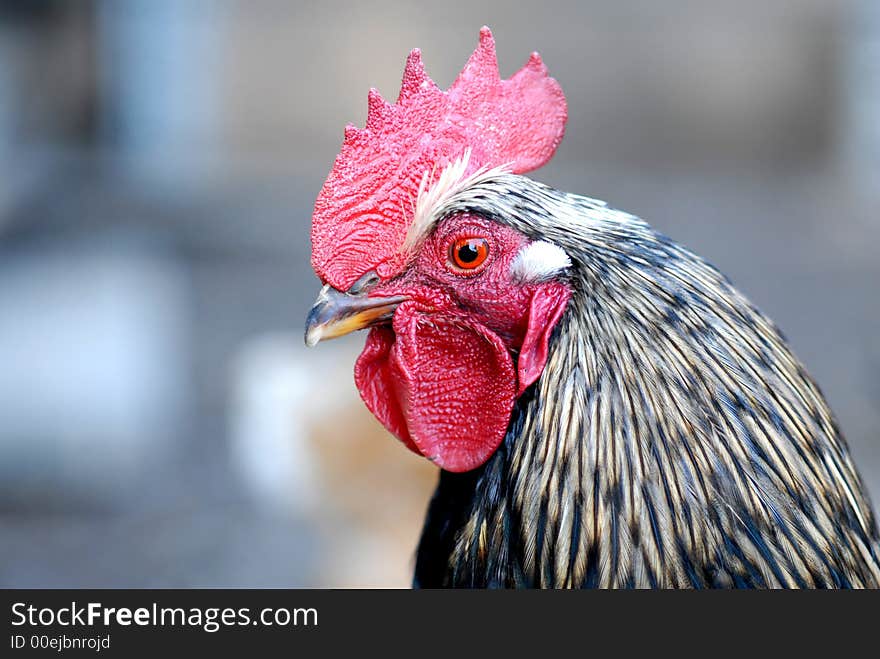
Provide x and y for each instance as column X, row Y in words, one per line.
column 539, row 261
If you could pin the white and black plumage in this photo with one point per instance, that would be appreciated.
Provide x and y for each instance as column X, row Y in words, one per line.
column 673, row 440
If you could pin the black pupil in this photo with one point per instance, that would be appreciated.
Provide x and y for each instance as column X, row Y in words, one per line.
column 468, row 253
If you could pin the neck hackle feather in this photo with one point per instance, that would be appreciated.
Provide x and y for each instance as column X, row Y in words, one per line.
column 673, row 439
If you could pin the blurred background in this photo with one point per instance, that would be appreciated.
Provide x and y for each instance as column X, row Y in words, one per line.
column 161, row 423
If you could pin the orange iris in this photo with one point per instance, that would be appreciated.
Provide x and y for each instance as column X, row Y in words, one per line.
column 469, row 253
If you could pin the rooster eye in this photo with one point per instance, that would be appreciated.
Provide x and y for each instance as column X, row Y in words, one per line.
column 469, row 253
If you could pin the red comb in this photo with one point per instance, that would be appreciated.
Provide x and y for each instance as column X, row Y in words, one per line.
column 366, row 205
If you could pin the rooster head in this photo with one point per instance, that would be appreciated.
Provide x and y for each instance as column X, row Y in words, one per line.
column 461, row 306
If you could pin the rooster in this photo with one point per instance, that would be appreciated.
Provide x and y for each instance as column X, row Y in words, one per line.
column 606, row 409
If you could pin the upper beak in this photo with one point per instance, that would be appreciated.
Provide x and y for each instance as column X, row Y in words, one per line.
column 336, row 314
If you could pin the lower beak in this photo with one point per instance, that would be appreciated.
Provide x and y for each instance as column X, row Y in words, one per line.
column 336, row 314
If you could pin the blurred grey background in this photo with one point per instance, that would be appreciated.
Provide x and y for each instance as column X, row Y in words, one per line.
column 161, row 423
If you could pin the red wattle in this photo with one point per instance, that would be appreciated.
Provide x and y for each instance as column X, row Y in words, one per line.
column 444, row 385
column 375, row 378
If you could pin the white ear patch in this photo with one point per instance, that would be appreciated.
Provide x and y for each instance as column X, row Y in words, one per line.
column 539, row 261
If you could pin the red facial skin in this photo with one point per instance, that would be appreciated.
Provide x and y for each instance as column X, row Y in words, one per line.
column 445, row 376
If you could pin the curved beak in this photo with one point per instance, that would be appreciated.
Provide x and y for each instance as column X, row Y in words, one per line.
column 336, row 314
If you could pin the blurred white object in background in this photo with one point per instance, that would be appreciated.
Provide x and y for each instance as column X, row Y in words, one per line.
column 94, row 355
column 269, row 424
column 305, row 445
